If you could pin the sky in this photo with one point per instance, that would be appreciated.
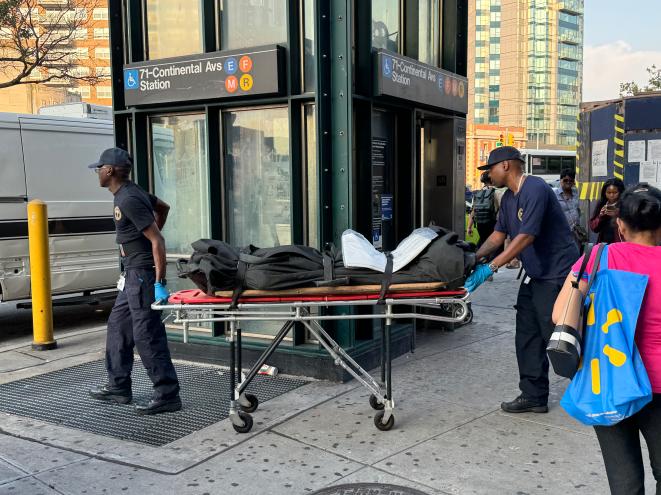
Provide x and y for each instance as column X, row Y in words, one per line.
column 622, row 38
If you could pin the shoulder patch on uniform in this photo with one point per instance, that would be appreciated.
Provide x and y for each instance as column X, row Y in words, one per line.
column 118, row 213
column 519, row 214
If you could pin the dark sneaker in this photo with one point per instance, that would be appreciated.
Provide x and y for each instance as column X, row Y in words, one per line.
column 521, row 404
column 157, row 406
column 121, row 396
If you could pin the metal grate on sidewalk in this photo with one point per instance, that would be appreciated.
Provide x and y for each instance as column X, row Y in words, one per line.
column 61, row 397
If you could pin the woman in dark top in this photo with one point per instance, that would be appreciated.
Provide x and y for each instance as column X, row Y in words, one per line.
column 604, row 215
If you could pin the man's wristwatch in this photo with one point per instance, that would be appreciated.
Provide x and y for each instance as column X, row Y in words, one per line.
column 162, row 281
column 493, row 267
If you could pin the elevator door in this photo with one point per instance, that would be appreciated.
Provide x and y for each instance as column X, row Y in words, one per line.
column 436, row 200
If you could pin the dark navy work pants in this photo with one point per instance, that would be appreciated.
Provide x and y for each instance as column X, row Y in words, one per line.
column 132, row 322
column 534, row 307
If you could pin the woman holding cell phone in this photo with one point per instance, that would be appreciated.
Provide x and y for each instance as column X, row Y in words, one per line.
column 607, row 210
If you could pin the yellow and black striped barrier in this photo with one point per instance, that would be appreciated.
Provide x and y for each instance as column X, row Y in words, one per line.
column 618, row 141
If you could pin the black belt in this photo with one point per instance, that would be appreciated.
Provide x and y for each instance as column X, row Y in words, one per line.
column 141, row 245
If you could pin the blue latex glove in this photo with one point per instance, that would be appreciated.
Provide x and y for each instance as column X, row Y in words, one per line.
column 161, row 294
column 478, row 277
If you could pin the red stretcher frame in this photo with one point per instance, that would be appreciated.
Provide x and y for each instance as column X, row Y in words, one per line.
column 194, row 306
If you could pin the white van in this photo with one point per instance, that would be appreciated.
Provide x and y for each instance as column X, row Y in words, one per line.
column 46, row 157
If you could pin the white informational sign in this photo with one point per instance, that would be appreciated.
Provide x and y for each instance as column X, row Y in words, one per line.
column 648, row 171
column 636, row 151
column 654, row 149
column 600, row 158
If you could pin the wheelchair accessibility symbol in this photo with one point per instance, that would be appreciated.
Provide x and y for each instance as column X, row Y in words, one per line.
column 131, row 79
column 387, row 66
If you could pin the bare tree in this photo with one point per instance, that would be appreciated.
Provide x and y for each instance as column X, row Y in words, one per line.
column 37, row 44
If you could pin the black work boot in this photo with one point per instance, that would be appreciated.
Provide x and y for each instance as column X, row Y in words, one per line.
column 157, row 406
column 103, row 392
column 521, row 404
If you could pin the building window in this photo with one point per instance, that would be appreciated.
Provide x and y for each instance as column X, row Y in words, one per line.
column 101, row 33
column 429, row 31
column 493, row 115
column 386, row 24
column 252, row 23
column 309, row 62
column 80, row 71
column 102, row 52
column 174, row 27
column 103, row 71
column 180, row 178
column 258, row 177
column 82, row 53
column 77, row 34
column 103, row 92
column 312, row 176
column 83, row 91
column 100, row 14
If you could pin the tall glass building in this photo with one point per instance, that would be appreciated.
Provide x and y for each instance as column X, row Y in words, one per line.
column 525, row 61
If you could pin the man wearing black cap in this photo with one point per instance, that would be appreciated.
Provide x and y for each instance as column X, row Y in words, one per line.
column 531, row 215
column 139, row 218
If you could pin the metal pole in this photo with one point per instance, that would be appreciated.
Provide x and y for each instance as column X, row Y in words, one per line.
column 42, row 303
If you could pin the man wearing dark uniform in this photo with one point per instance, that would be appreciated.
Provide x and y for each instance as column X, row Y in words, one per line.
column 532, row 217
column 139, row 217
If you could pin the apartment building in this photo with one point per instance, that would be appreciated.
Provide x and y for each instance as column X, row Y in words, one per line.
column 90, row 46
column 525, row 62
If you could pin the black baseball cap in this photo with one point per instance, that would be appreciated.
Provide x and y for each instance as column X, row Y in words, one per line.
column 115, row 157
column 501, row 154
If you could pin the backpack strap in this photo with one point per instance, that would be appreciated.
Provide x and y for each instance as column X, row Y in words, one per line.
column 584, row 264
column 601, row 252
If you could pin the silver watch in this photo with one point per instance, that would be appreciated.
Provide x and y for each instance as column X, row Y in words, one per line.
column 493, row 267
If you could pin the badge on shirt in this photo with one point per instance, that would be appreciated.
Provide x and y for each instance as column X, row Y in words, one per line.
column 118, row 213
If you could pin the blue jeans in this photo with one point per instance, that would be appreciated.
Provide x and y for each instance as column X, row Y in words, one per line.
column 623, row 457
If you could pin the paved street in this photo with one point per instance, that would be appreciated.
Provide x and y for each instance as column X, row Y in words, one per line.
column 450, row 436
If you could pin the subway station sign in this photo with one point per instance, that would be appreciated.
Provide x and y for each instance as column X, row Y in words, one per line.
column 204, row 76
column 403, row 77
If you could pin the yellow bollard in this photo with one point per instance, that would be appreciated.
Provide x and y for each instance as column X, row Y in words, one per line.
column 42, row 303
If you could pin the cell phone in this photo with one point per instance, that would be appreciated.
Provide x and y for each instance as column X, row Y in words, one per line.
column 610, row 207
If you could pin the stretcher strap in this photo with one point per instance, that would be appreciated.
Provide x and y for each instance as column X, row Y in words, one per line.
column 329, row 267
column 329, row 274
column 241, row 269
column 386, row 280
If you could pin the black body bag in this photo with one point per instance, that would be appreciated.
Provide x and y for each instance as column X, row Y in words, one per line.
column 217, row 266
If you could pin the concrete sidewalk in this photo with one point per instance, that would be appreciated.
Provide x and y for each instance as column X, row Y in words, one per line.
column 449, row 437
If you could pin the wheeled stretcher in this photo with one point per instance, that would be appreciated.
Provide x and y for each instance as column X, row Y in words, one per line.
column 294, row 306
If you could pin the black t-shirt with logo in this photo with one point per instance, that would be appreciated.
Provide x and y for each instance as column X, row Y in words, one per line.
column 133, row 213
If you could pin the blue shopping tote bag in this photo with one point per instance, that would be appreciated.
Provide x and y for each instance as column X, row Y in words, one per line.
column 611, row 383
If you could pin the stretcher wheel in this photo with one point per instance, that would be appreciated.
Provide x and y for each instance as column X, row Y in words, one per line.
column 247, row 423
column 254, row 402
column 469, row 317
column 375, row 404
column 380, row 424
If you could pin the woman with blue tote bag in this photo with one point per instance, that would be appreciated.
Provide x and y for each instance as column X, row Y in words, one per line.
column 618, row 388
